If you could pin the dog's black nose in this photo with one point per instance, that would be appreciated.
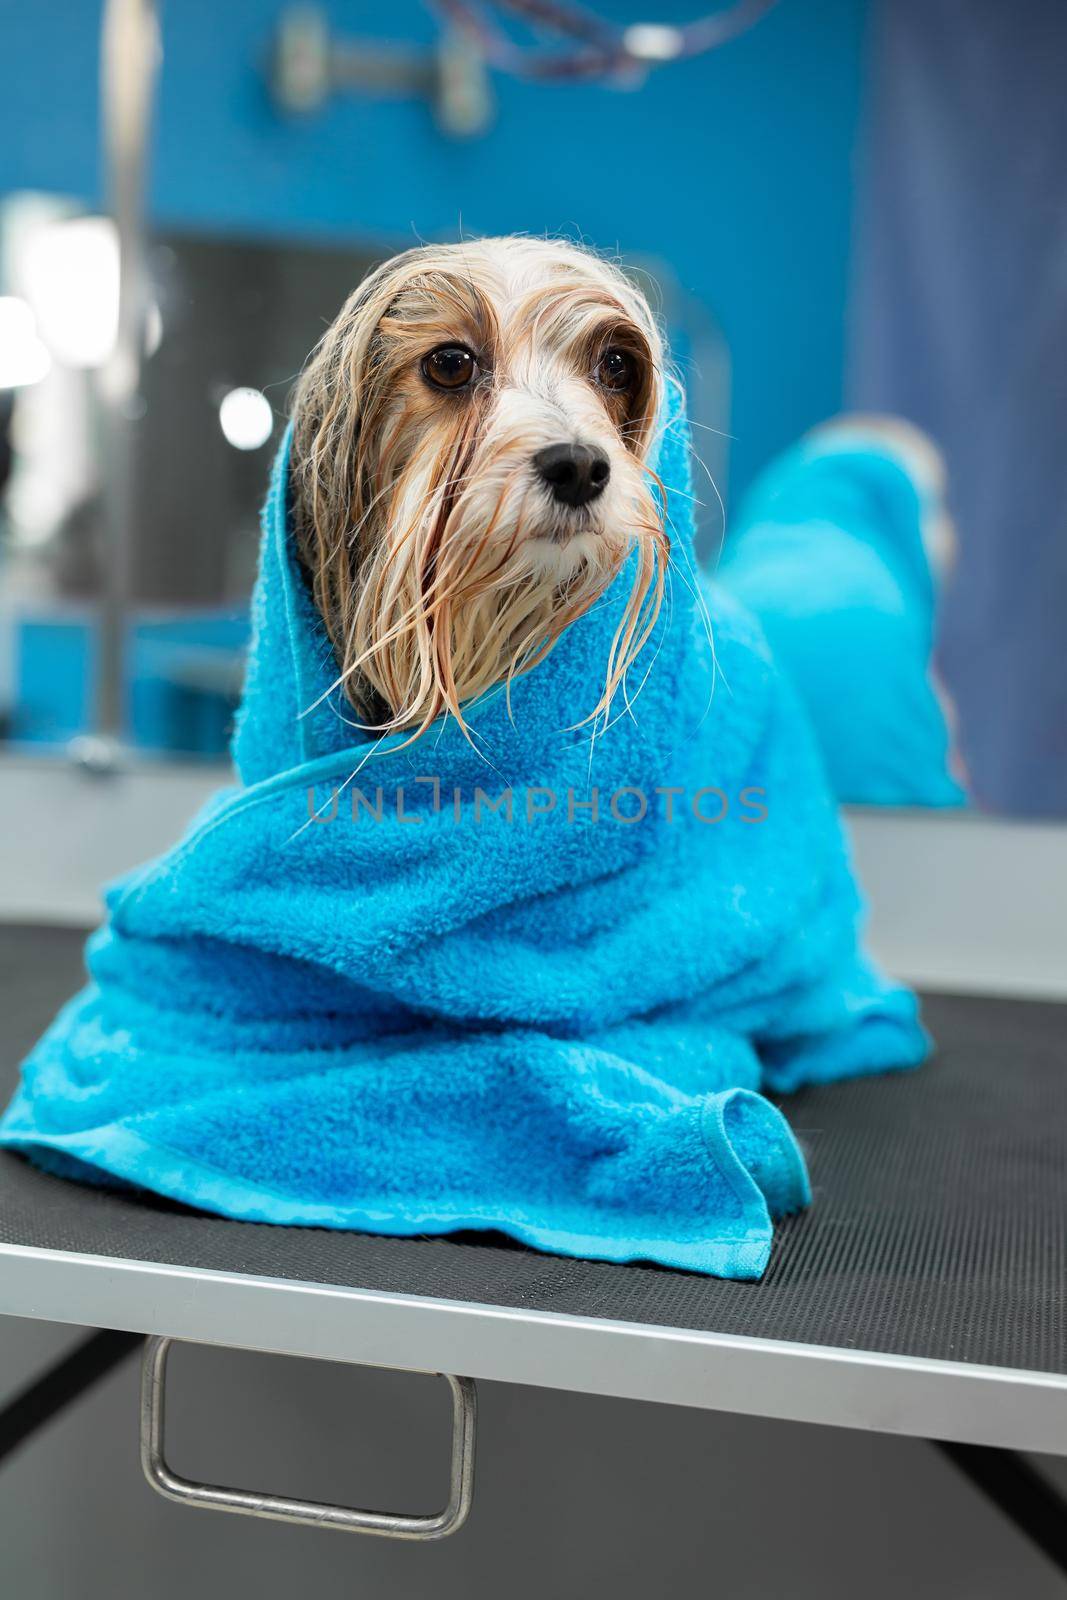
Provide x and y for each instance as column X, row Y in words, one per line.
column 576, row 473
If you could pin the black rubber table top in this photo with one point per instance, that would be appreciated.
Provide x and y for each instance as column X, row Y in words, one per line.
column 938, row 1229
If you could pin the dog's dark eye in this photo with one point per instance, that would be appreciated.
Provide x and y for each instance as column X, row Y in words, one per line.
column 615, row 370
column 452, row 366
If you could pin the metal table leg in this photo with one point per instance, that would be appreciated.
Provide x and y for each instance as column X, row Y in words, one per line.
column 62, row 1384
column 1019, row 1491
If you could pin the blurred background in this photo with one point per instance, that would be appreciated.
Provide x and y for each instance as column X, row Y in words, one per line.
column 841, row 206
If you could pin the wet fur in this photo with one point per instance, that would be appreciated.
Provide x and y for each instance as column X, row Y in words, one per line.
column 437, row 557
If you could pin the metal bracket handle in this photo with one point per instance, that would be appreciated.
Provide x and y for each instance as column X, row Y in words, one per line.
column 247, row 1503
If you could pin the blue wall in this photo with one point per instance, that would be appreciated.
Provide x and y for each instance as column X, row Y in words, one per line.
column 735, row 168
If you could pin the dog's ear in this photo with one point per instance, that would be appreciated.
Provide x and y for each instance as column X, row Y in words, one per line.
column 326, row 413
column 328, row 475
column 332, row 471
column 329, row 407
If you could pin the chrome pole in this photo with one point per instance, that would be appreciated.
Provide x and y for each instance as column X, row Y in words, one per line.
column 129, row 65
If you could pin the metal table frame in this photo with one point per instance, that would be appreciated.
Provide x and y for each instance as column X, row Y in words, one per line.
column 960, row 1401
column 981, row 1417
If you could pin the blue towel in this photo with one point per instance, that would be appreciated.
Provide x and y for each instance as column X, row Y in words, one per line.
column 827, row 552
column 554, row 1023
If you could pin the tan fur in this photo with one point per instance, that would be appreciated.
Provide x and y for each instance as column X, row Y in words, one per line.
column 439, row 561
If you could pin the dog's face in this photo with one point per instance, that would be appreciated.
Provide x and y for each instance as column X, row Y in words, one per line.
column 469, row 470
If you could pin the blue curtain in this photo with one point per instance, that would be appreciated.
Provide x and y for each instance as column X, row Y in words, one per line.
column 960, row 323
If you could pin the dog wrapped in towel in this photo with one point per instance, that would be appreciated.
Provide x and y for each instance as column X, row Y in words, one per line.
column 521, row 969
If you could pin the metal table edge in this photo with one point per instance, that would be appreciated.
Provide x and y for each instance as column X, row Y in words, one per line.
column 886, row 1393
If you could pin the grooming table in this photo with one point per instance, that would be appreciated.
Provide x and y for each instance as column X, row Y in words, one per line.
column 922, row 1294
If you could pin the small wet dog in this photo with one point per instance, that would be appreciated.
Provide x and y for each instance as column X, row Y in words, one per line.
column 469, row 471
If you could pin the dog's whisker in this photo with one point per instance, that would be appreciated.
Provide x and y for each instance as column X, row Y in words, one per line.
column 314, row 816
column 693, row 585
column 722, row 508
column 707, row 428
